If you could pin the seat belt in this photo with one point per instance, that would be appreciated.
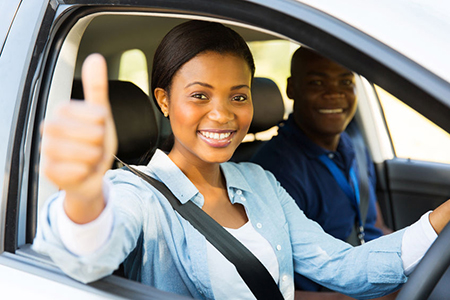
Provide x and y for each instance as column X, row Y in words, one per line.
column 361, row 161
column 252, row 271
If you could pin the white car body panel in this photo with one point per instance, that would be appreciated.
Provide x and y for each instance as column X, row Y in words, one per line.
column 416, row 28
column 12, row 282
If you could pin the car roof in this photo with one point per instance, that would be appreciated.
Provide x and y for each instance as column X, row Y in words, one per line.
column 418, row 29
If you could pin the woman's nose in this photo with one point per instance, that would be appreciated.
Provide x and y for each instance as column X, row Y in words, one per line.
column 221, row 112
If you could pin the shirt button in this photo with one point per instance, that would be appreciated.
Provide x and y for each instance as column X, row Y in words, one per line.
column 238, row 192
column 278, row 247
column 243, row 198
column 331, row 155
column 259, row 225
column 285, row 277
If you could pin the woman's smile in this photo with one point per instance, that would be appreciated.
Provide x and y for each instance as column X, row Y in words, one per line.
column 217, row 138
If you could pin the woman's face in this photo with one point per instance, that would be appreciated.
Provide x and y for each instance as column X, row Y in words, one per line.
column 210, row 108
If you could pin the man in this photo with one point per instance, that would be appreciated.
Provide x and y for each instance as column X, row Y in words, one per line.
column 313, row 142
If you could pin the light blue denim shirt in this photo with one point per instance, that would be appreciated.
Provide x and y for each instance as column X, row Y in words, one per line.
column 163, row 250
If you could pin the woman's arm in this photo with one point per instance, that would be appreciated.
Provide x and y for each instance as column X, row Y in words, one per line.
column 440, row 217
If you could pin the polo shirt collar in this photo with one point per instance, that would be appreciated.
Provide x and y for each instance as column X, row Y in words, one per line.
column 312, row 150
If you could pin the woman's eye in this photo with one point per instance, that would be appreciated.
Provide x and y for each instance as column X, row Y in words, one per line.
column 239, row 98
column 200, row 96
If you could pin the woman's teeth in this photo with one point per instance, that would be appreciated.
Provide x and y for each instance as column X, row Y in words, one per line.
column 331, row 111
column 215, row 135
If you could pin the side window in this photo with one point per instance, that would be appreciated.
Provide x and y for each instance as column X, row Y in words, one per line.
column 133, row 68
column 272, row 60
column 413, row 136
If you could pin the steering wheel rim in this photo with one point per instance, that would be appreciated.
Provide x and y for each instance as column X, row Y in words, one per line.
column 430, row 269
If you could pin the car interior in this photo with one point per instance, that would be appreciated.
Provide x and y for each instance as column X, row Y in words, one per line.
column 141, row 128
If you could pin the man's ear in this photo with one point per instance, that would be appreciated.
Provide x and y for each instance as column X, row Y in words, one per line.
column 290, row 88
column 163, row 100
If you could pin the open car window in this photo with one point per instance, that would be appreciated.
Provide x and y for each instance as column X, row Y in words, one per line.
column 413, row 135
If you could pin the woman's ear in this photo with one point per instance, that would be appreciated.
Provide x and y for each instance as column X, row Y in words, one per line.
column 162, row 98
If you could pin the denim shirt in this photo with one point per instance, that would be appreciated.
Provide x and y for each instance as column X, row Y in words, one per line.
column 163, row 250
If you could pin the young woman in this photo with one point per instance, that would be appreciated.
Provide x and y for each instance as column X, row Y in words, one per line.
column 201, row 79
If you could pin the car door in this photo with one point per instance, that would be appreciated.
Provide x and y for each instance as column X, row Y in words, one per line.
column 411, row 155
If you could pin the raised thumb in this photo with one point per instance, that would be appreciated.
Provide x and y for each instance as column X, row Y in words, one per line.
column 94, row 76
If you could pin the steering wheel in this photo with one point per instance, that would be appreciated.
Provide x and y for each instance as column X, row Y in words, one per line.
column 429, row 270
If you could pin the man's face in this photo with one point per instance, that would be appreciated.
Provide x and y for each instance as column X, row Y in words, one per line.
column 324, row 96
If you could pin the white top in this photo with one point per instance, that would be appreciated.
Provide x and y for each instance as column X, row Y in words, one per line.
column 221, row 270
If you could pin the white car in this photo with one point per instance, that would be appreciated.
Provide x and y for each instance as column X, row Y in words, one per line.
column 397, row 48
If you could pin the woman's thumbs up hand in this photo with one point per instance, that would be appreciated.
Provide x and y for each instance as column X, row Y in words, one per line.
column 80, row 143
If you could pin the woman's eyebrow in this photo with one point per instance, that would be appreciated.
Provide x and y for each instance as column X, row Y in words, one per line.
column 236, row 87
column 199, row 83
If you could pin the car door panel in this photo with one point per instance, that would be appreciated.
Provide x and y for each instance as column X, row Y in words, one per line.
column 415, row 187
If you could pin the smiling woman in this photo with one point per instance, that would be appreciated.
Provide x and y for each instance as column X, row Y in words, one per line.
column 209, row 106
column 201, row 80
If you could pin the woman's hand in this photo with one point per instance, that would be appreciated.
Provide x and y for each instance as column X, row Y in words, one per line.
column 440, row 216
column 80, row 141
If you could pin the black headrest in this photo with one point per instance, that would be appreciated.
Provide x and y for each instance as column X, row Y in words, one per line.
column 267, row 104
column 134, row 117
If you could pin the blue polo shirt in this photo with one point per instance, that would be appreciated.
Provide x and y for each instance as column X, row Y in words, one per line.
column 293, row 158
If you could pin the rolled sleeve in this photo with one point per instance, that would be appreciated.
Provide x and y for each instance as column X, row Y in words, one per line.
column 84, row 239
column 417, row 239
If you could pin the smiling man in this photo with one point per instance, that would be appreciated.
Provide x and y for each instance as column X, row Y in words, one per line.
column 313, row 142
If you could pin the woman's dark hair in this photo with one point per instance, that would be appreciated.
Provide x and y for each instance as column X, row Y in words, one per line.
column 189, row 39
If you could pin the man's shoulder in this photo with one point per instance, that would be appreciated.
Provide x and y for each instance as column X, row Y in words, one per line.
column 280, row 148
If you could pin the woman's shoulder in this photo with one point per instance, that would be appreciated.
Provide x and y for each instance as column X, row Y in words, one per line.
column 250, row 171
column 124, row 178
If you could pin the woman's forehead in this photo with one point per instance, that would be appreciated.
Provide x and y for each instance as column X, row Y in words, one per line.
column 215, row 67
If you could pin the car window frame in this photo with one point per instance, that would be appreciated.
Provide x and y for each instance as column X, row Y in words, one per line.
column 320, row 38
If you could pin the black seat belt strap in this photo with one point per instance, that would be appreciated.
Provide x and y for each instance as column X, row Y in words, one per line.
column 252, row 271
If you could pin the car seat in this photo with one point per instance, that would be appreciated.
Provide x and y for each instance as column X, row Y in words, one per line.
column 268, row 111
column 134, row 117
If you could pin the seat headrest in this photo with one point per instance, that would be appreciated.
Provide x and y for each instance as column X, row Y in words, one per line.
column 134, row 118
column 268, row 105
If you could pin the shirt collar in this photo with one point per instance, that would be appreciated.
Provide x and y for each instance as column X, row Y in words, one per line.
column 313, row 150
column 169, row 173
column 180, row 185
column 235, row 180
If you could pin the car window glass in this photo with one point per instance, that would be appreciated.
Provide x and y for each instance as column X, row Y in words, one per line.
column 272, row 60
column 133, row 68
column 413, row 136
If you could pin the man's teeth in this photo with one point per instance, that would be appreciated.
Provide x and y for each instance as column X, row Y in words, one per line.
column 331, row 111
column 215, row 135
